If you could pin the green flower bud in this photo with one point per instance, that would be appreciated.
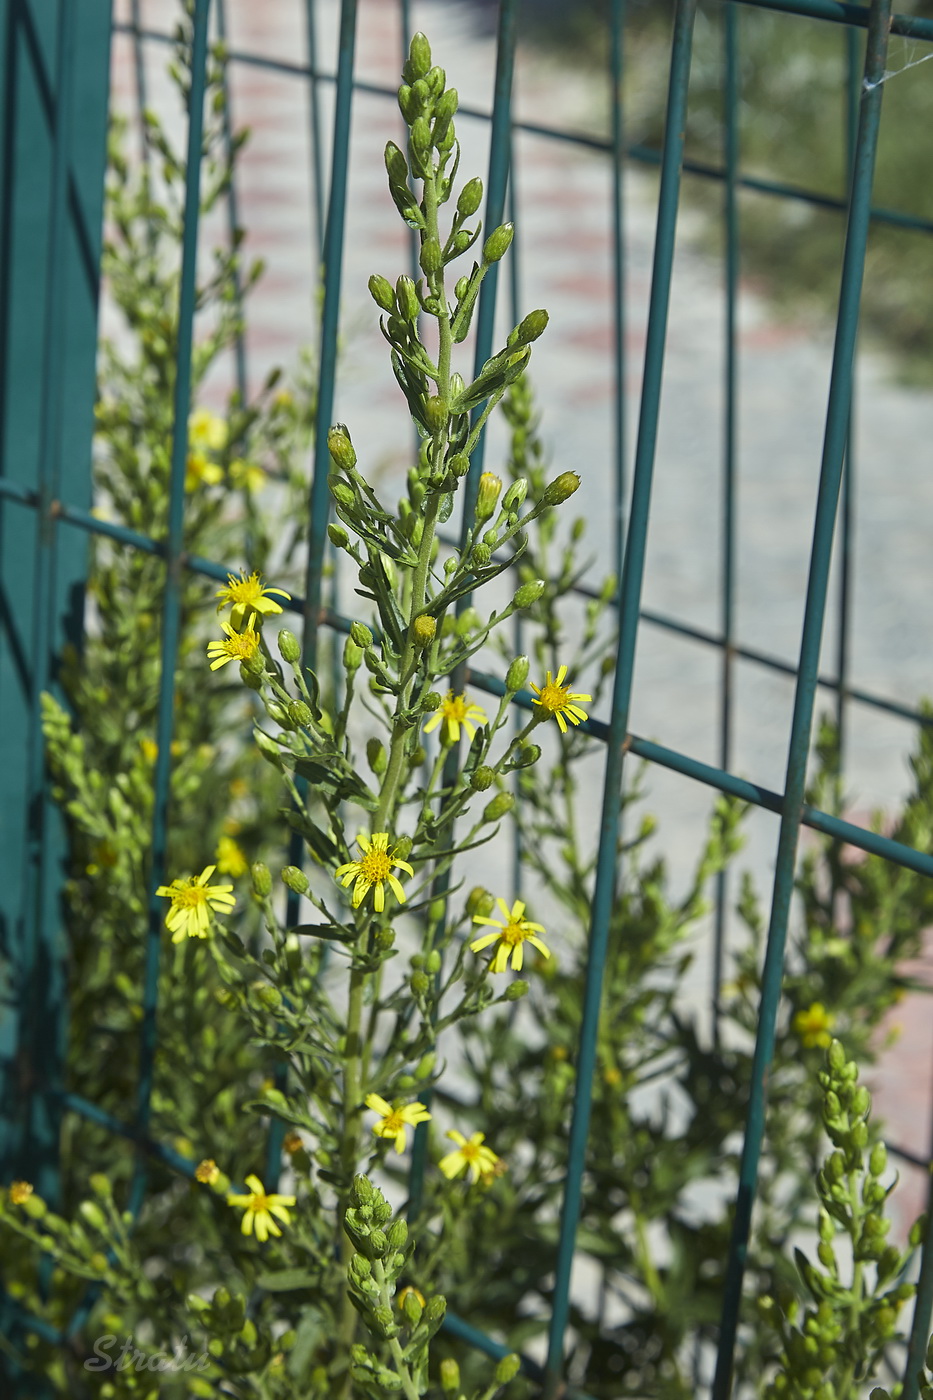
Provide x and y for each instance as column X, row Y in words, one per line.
column 480, row 555
column 434, row 1311
column 459, row 464
column 338, row 535
column 412, row 1308
column 93, row 1214
column 487, row 495
column 836, row 1058
column 508, row 1368
column 376, row 755
column 426, row 1065
column 341, row 448
column 430, row 256
column 482, row 778
column 396, row 165
column 471, row 197
column 527, row 755
column 419, row 58
column 480, row 901
column 560, row 489
column 361, row 634
column 515, row 495
column 878, row 1160
column 499, row 807
column 406, row 299
column 420, row 984
column 861, row 1101
column 100, row 1185
column 296, row 879
column 432, row 962
column 381, row 292
column 517, row 674
column 270, row 997
column 450, row 1376
column 424, row 630
column 516, row 990
column 534, row 325
column 262, row 879
column 529, row 593
column 409, row 103
column 341, row 491
column 436, row 414
column 289, row 646
column 254, row 665
column 444, row 113
column 300, row 714
column 352, row 655
column 497, row 244
column 432, row 701
column 859, row 1135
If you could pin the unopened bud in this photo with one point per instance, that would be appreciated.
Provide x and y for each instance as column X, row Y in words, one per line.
column 480, row 901
column 341, row 448
column 529, row 593
column 459, row 464
column 436, row 413
column 515, row 495
column 480, row 555
column 352, row 655
column 527, row 755
column 269, row 997
column 499, row 807
column 517, row 674
column 508, row 1368
column 560, row 489
column 471, row 197
column 497, row 244
column 534, row 325
column 482, row 778
column 487, row 495
column 420, row 984
column 419, row 58
column 289, row 646
column 376, row 755
column 878, row 1159
column 450, row 1376
column 341, row 491
column 424, row 630
column 361, row 634
column 516, row 990
column 296, row 879
column 381, row 292
column 430, row 256
column 338, row 535
column 262, row 879
column 432, row 701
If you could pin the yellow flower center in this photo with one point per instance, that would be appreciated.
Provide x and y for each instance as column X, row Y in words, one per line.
column 554, row 697
column 470, row 1151
column 258, row 1200
column 190, row 897
column 513, row 933
column 246, row 590
column 242, row 644
column 395, row 1123
column 455, row 707
column 375, row 866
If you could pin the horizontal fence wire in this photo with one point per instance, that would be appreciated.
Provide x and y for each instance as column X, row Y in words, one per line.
column 789, row 804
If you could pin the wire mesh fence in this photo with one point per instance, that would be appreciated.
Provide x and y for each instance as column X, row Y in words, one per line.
column 608, row 408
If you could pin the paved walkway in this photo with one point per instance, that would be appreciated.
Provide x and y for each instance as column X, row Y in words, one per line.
column 564, row 244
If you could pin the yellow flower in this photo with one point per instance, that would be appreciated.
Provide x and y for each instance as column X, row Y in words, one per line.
column 260, row 1206
column 230, row 858
column 556, row 699
column 207, row 1171
column 395, row 1119
column 239, row 646
column 454, row 711
column 814, row 1025
column 373, row 871
column 469, row 1153
column 511, row 937
column 248, row 594
column 20, row 1191
column 201, row 471
column 192, row 902
column 205, row 429
column 292, row 1143
column 247, row 476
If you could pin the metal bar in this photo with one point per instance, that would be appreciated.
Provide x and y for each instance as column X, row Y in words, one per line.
column 837, row 413
column 173, row 580
column 731, row 97
column 630, row 600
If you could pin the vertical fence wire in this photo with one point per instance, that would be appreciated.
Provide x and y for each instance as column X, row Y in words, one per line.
column 837, row 417
column 629, row 609
column 171, row 610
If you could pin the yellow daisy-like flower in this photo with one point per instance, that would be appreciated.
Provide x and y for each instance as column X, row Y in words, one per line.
column 192, row 902
column 248, row 594
column 247, row 476
column 230, row 858
column 201, row 471
column 469, row 1153
column 394, row 1120
column 205, row 429
column 238, row 646
column 260, row 1206
column 207, row 1171
column 373, row 871
column 814, row 1026
column 454, row 711
column 20, row 1191
column 512, row 934
column 559, row 700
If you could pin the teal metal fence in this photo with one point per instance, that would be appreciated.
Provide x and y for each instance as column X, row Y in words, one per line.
column 55, row 65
